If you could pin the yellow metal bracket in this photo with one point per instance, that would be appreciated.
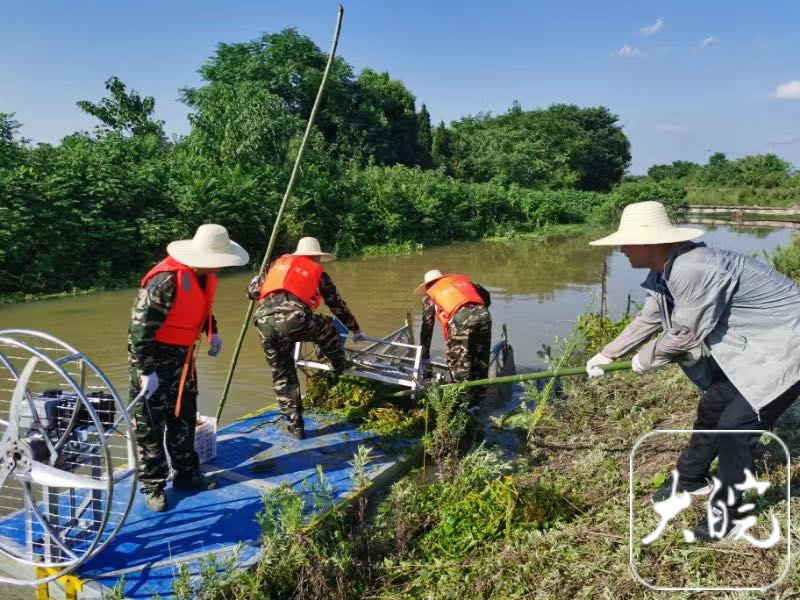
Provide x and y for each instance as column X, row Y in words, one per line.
column 72, row 584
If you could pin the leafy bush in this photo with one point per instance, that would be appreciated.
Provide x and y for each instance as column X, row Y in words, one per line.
column 786, row 259
column 597, row 331
column 446, row 439
column 669, row 193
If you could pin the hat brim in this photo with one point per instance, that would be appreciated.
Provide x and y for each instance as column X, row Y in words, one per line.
column 185, row 253
column 323, row 256
column 423, row 287
column 645, row 236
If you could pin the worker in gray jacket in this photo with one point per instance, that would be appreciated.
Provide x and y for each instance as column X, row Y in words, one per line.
column 732, row 323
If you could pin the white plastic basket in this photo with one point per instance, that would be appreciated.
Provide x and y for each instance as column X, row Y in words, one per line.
column 205, row 438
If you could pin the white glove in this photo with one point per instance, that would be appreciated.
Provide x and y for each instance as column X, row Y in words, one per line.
column 357, row 336
column 216, row 345
column 148, row 384
column 253, row 288
column 636, row 365
column 593, row 365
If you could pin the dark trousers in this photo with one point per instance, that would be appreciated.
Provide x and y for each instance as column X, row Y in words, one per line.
column 723, row 407
column 280, row 324
column 468, row 347
column 155, row 415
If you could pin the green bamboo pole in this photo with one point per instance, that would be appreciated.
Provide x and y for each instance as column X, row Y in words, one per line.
column 276, row 226
column 622, row 365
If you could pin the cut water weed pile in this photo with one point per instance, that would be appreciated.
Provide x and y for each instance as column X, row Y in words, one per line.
column 364, row 402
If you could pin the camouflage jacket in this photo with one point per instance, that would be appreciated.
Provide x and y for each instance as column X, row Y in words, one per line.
column 429, row 316
column 327, row 290
column 152, row 304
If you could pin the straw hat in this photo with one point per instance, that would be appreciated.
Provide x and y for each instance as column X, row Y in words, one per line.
column 210, row 248
column 309, row 246
column 430, row 277
column 647, row 223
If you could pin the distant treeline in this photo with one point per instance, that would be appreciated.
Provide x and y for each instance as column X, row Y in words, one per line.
column 98, row 208
column 759, row 179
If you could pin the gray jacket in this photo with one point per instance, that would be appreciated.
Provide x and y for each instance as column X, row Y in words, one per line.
column 724, row 305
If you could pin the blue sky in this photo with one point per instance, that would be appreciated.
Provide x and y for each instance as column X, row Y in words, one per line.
column 686, row 78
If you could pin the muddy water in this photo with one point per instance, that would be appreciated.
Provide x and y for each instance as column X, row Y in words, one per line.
column 538, row 288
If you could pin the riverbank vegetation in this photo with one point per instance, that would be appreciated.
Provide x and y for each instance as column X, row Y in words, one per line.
column 98, row 208
column 755, row 180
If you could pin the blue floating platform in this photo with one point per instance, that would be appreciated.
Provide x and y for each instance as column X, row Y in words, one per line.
column 254, row 455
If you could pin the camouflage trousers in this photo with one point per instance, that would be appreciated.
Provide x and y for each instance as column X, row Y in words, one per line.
column 155, row 415
column 282, row 321
column 468, row 347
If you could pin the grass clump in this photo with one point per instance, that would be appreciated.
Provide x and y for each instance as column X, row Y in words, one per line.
column 445, row 441
column 786, row 259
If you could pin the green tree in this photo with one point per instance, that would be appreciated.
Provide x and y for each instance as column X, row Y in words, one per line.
column 599, row 152
column 562, row 146
column 124, row 112
column 285, row 66
column 243, row 123
column 441, row 146
column 424, row 138
column 369, row 117
column 384, row 119
column 11, row 147
column 719, row 171
column 678, row 170
column 762, row 170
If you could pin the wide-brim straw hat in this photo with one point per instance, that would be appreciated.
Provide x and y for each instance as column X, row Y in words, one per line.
column 210, row 248
column 647, row 223
column 309, row 246
column 430, row 277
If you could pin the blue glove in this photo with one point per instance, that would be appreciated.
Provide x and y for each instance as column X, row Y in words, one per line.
column 357, row 336
column 216, row 345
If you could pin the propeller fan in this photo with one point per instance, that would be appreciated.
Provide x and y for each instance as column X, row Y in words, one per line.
column 66, row 444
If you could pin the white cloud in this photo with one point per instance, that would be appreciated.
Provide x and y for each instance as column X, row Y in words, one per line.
column 671, row 128
column 627, row 52
column 712, row 39
column 654, row 28
column 787, row 91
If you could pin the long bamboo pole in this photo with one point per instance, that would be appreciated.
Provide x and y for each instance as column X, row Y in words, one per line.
column 276, row 226
column 622, row 365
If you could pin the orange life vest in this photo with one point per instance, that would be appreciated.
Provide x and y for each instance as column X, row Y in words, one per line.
column 192, row 305
column 298, row 275
column 450, row 293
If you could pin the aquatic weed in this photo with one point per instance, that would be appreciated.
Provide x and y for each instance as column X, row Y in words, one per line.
column 444, row 441
column 358, row 471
